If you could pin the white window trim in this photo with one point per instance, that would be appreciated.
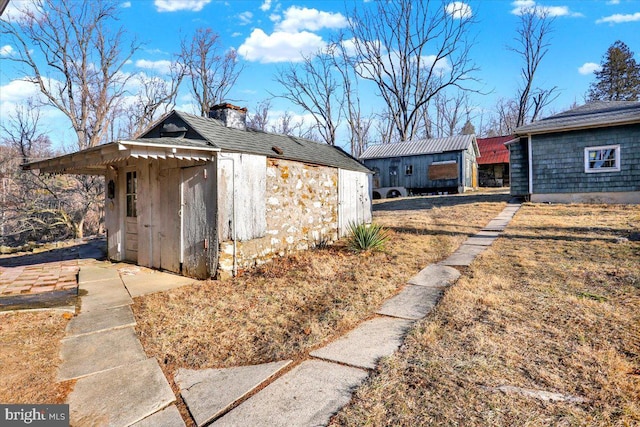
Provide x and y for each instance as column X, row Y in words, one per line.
column 587, row 169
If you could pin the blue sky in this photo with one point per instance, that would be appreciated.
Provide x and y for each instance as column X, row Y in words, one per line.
column 269, row 34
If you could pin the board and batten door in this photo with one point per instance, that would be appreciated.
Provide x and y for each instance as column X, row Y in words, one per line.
column 199, row 248
column 169, row 220
column 131, row 216
column 354, row 201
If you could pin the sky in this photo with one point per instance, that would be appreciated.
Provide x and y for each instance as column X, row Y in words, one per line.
column 271, row 34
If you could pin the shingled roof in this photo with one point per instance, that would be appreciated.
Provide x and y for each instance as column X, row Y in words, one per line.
column 592, row 115
column 213, row 133
column 420, row 147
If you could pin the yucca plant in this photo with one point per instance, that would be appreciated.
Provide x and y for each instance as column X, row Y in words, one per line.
column 365, row 237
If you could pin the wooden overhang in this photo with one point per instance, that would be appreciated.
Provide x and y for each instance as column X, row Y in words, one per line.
column 96, row 160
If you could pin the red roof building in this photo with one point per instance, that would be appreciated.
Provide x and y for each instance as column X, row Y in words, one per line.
column 493, row 163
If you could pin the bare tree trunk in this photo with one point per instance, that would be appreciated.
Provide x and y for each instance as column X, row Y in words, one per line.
column 532, row 45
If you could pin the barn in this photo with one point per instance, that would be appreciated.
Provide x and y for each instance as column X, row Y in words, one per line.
column 424, row 166
column 208, row 197
column 493, row 163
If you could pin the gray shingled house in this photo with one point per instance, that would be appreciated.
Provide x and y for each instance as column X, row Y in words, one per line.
column 424, row 166
column 587, row 154
column 206, row 196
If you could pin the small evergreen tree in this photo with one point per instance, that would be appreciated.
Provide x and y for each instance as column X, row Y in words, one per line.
column 619, row 79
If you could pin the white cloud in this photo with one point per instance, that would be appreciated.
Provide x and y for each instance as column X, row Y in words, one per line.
column 520, row 7
column 17, row 91
column 6, row 50
column 236, row 34
column 266, row 5
column 279, row 46
column 459, row 10
column 245, row 18
column 613, row 2
column 177, row 5
column 619, row 18
column 125, row 5
column 297, row 18
column 440, row 66
column 161, row 66
column 588, row 68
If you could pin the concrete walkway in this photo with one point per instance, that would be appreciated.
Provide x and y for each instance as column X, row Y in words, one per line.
column 310, row 393
column 117, row 385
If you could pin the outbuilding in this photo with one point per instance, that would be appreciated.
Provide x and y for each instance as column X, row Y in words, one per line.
column 493, row 163
column 587, row 154
column 209, row 196
column 424, row 166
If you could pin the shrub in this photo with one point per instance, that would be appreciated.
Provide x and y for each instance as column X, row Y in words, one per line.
column 364, row 237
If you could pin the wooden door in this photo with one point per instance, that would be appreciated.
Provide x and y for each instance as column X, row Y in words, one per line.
column 169, row 224
column 199, row 245
column 131, row 217
column 474, row 175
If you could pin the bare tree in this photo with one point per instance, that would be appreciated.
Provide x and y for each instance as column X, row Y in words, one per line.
column 449, row 112
column 359, row 125
column 313, row 87
column 412, row 50
column 260, row 119
column 40, row 206
column 74, row 54
column 154, row 96
column 532, row 44
column 211, row 71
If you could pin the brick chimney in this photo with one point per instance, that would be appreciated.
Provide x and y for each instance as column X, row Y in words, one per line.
column 230, row 115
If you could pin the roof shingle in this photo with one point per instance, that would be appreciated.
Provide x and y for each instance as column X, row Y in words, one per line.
column 594, row 114
column 252, row 141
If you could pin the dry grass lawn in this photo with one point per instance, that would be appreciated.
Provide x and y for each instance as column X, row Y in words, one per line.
column 292, row 305
column 554, row 305
column 29, row 358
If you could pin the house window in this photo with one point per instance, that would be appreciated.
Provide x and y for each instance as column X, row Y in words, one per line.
column 602, row 159
column 132, row 188
column 408, row 170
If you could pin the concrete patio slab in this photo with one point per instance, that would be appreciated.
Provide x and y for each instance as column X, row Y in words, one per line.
column 96, row 273
column 147, row 282
column 168, row 417
column 89, row 354
column 209, row 393
column 413, row 302
column 464, row 256
column 435, row 276
column 103, row 295
column 309, row 395
column 363, row 346
column 121, row 396
column 101, row 320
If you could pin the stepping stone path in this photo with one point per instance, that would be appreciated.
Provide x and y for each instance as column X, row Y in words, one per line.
column 313, row 391
column 117, row 385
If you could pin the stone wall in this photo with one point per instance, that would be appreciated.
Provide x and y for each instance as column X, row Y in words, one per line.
column 301, row 212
